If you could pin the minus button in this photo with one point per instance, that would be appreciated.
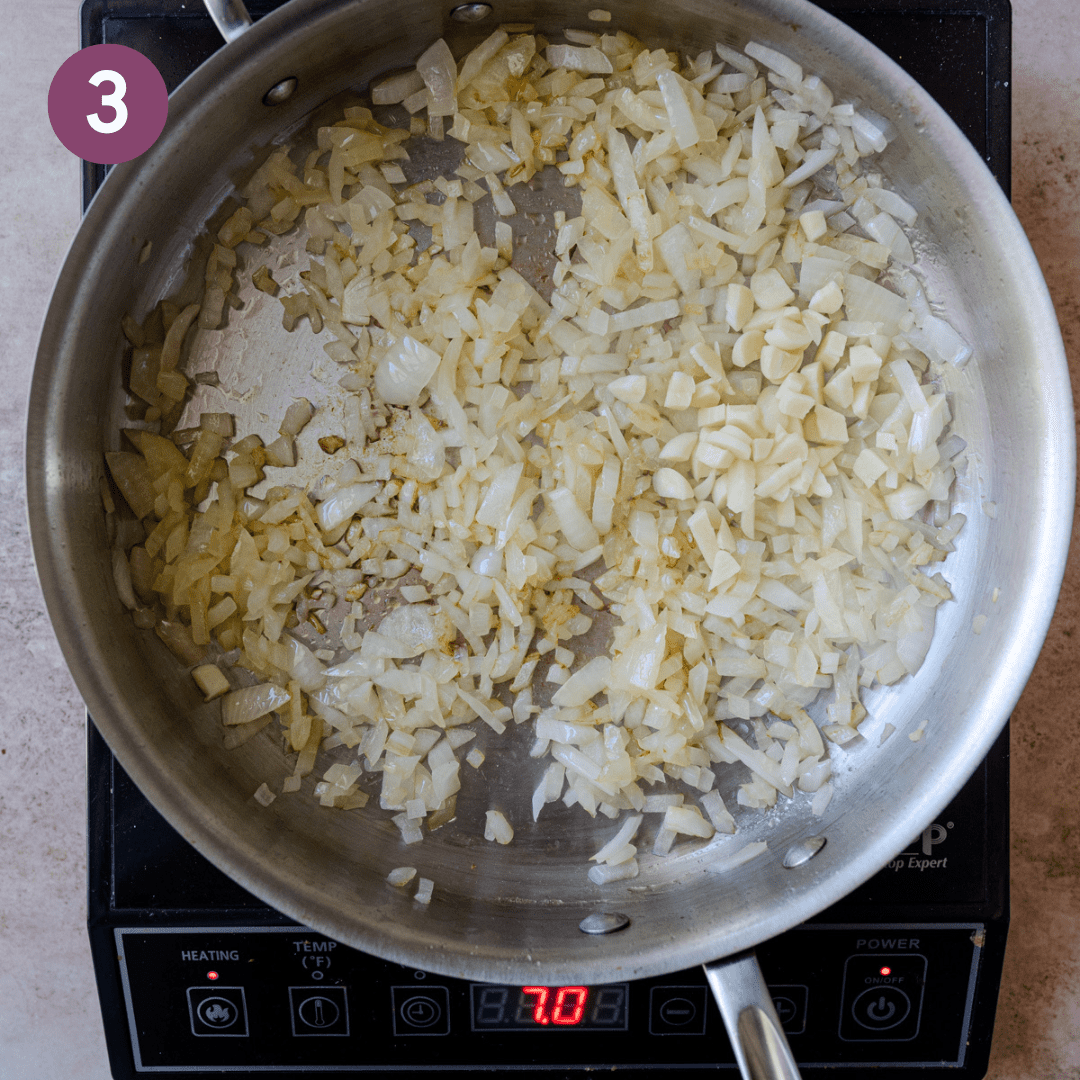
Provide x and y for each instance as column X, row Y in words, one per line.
column 677, row 1010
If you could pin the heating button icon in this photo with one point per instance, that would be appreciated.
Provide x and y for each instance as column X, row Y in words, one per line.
column 217, row 1010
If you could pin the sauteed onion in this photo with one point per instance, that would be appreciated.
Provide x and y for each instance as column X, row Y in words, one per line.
column 715, row 438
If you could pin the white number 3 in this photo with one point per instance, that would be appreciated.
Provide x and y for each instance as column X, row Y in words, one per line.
column 115, row 101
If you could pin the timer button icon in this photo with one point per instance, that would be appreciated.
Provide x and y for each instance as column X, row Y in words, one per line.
column 421, row 1010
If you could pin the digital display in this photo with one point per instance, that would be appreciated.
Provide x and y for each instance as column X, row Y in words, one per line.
column 549, row 1008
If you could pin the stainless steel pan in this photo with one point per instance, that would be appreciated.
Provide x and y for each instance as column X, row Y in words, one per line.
column 515, row 913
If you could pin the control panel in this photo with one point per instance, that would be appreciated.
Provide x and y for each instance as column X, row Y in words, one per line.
column 281, row 999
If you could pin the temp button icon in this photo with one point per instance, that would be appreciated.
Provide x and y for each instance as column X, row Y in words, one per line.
column 319, row 1010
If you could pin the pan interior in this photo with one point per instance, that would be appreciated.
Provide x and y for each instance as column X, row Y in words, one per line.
column 498, row 912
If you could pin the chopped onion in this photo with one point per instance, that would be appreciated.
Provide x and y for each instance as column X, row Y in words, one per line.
column 296, row 418
column 575, row 524
column 438, row 70
column 401, row 876
column 694, row 435
column 577, row 58
column 252, row 702
column 873, row 129
column 417, row 628
column 396, row 88
column 585, row 683
column 775, row 61
column 344, row 504
column 404, row 369
column 678, row 108
column 264, row 796
column 122, row 579
column 939, row 340
column 604, row 874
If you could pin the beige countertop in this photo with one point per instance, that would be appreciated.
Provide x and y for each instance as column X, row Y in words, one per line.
column 50, row 1024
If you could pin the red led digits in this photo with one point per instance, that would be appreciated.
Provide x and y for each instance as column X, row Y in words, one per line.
column 568, row 1008
column 541, row 993
column 559, row 1015
column 549, row 1008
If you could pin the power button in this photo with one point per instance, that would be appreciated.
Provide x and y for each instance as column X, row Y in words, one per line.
column 881, row 1008
column 882, row 997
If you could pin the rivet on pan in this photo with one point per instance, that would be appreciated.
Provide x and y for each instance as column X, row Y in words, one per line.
column 603, row 922
column 471, row 12
column 803, row 851
column 280, row 92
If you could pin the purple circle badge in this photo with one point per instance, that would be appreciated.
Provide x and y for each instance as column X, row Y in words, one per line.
column 108, row 104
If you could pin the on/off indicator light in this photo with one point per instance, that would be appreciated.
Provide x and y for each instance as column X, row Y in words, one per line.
column 213, row 976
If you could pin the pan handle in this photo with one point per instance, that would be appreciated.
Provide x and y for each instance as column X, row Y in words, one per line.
column 230, row 17
column 755, row 1031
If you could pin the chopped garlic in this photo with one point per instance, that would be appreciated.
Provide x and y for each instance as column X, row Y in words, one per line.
column 211, row 681
column 497, row 827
